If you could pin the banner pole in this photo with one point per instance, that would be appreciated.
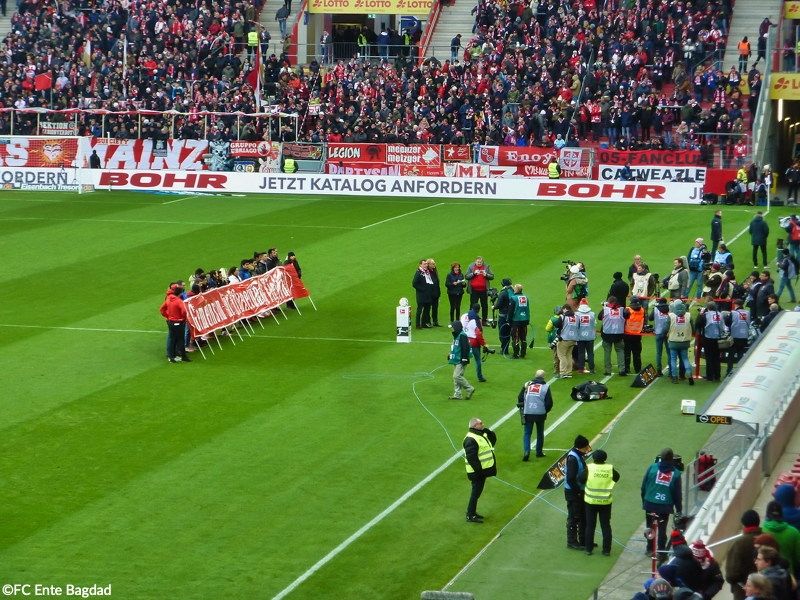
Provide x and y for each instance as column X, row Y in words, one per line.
column 260, row 323
column 274, row 317
column 280, row 308
column 203, row 354
column 218, row 342
column 312, row 303
column 297, row 308
column 246, row 326
column 211, row 347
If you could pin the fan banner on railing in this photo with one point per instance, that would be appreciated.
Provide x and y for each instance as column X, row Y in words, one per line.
column 53, row 128
column 657, row 173
column 530, row 161
column 38, row 152
column 179, row 155
column 643, row 158
column 456, row 153
column 224, row 306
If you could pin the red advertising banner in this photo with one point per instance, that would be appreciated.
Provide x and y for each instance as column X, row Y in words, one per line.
column 356, row 153
column 226, row 305
column 417, row 154
column 302, row 151
column 361, row 168
column 38, row 152
column 453, row 153
column 183, row 155
column 671, row 158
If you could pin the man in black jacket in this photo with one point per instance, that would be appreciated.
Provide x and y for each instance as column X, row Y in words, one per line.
column 716, row 232
column 480, row 462
column 504, row 309
column 619, row 289
column 423, row 285
column 574, row 493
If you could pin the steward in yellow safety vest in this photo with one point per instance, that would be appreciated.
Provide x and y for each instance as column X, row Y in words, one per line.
column 289, row 165
column 252, row 38
column 553, row 169
column 480, row 463
column 599, row 479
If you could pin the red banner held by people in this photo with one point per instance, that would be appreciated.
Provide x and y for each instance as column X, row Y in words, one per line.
column 298, row 289
column 224, row 306
column 416, row 154
column 638, row 158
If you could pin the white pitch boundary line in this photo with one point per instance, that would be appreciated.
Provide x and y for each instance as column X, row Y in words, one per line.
column 403, row 215
column 159, row 222
column 176, row 200
column 257, row 335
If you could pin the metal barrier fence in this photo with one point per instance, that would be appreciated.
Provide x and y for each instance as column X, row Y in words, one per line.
column 148, row 124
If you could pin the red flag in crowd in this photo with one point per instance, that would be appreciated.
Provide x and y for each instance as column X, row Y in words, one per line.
column 254, row 77
column 43, row 82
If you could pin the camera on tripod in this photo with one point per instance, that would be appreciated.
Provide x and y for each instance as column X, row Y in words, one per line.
column 567, row 274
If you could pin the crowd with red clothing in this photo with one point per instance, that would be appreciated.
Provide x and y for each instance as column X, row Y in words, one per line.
column 631, row 74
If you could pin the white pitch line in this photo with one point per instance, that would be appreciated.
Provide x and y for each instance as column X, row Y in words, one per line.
column 176, row 200
column 257, row 335
column 403, row 215
column 159, row 222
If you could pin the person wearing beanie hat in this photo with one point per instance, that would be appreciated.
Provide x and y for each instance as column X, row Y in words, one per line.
column 586, row 334
column 683, row 569
column 785, row 495
column 661, row 493
column 712, row 580
column 679, row 338
column 504, row 307
column 599, row 479
column 788, row 537
column 676, row 539
column 739, row 560
column 712, row 329
column 574, row 493
column 619, row 288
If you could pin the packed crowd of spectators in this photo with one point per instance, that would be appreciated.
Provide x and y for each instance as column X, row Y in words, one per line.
column 634, row 74
column 181, row 55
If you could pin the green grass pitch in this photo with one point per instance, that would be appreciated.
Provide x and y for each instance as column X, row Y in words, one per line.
column 232, row 477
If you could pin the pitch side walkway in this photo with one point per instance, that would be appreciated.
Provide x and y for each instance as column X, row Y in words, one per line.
column 621, row 583
column 529, row 558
